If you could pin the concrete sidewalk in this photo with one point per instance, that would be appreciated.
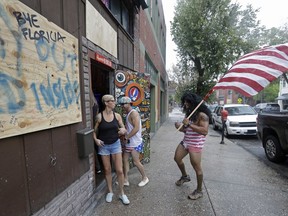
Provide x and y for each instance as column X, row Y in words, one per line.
column 235, row 182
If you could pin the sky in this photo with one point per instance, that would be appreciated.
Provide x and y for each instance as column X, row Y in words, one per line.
column 273, row 13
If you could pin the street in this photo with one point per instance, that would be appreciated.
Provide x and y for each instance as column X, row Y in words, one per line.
column 254, row 146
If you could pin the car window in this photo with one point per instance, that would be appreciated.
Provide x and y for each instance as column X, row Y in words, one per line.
column 230, row 111
column 247, row 110
column 219, row 111
column 216, row 109
column 261, row 105
column 241, row 110
column 272, row 107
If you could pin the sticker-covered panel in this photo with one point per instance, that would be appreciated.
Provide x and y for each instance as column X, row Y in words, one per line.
column 136, row 86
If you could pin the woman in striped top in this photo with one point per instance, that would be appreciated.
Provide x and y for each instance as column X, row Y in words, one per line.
column 195, row 130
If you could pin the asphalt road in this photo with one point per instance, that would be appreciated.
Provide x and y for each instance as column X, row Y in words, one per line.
column 253, row 145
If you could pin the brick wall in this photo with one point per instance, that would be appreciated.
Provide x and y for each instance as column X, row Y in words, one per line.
column 149, row 40
column 137, row 50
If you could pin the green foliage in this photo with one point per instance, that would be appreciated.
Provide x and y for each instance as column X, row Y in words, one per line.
column 269, row 93
column 275, row 36
column 210, row 36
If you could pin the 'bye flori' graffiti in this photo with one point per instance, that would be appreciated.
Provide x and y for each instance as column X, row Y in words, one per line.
column 39, row 75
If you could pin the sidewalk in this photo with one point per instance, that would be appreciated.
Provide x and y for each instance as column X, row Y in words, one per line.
column 235, row 182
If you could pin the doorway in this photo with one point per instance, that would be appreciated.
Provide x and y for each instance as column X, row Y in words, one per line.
column 101, row 85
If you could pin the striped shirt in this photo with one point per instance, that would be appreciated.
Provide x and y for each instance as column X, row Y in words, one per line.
column 194, row 139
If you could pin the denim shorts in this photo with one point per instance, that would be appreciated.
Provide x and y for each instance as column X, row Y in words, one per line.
column 113, row 148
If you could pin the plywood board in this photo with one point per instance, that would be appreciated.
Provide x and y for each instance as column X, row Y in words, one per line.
column 39, row 72
column 104, row 35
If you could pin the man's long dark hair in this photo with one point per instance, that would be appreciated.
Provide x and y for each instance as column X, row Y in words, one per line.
column 194, row 100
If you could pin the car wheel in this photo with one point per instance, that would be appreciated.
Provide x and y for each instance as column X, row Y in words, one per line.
column 273, row 150
column 226, row 134
column 214, row 125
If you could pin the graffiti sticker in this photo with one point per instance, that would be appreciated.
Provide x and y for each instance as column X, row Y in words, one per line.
column 135, row 92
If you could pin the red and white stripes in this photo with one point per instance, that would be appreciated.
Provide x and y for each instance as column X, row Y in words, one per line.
column 254, row 71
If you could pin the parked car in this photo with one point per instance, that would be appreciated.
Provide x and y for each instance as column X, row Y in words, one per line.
column 212, row 107
column 241, row 119
column 272, row 129
column 267, row 107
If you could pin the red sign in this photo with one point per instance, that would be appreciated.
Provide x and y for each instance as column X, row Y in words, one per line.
column 103, row 60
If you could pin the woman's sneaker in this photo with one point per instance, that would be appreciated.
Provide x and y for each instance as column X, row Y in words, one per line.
column 109, row 197
column 182, row 180
column 124, row 199
column 143, row 182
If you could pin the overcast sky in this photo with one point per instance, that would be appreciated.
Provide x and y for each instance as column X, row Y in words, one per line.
column 273, row 13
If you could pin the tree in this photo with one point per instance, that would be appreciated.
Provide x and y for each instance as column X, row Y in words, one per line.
column 210, row 36
column 269, row 94
column 175, row 75
column 274, row 35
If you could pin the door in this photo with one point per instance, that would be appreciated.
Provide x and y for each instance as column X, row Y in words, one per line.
column 101, row 83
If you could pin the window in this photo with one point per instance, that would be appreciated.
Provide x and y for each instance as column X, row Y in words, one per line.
column 115, row 8
column 125, row 18
column 123, row 14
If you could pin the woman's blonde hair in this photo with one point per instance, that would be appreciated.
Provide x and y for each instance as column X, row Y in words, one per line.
column 107, row 97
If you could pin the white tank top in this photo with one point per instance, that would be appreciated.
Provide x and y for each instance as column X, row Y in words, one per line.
column 135, row 140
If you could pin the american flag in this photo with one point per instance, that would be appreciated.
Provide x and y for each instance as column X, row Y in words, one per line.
column 254, row 71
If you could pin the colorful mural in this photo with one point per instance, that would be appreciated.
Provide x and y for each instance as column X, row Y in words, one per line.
column 136, row 86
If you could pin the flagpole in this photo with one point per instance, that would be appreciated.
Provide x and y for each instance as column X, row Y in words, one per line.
column 204, row 99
